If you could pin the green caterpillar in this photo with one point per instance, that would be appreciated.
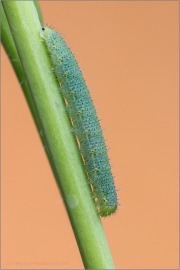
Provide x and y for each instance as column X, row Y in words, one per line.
column 85, row 123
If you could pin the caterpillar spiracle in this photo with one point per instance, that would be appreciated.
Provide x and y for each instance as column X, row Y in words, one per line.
column 85, row 122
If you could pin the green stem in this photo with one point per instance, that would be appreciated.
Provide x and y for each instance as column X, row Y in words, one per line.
column 61, row 145
column 38, row 11
column 9, row 46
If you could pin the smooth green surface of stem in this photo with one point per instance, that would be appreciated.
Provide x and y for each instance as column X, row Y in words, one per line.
column 10, row 48
column 38, row 11
column 62, row 147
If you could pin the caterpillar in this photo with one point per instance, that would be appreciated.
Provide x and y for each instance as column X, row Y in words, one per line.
column 85, row 124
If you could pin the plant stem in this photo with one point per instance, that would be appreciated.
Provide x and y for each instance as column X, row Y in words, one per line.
column 9, row 46
column 38, row 11
column 61, row 145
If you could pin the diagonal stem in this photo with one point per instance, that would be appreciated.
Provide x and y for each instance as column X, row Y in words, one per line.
column 61, row 145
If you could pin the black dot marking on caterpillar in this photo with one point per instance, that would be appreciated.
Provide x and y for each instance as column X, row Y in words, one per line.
column 85, row 124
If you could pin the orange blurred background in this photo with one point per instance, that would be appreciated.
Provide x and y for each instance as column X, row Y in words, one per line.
column 129, row 51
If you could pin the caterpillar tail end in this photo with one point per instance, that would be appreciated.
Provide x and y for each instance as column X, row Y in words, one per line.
column 107, row 211
column 104, row 209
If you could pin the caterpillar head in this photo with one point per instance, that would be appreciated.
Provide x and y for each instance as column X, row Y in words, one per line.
column 45, row 31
